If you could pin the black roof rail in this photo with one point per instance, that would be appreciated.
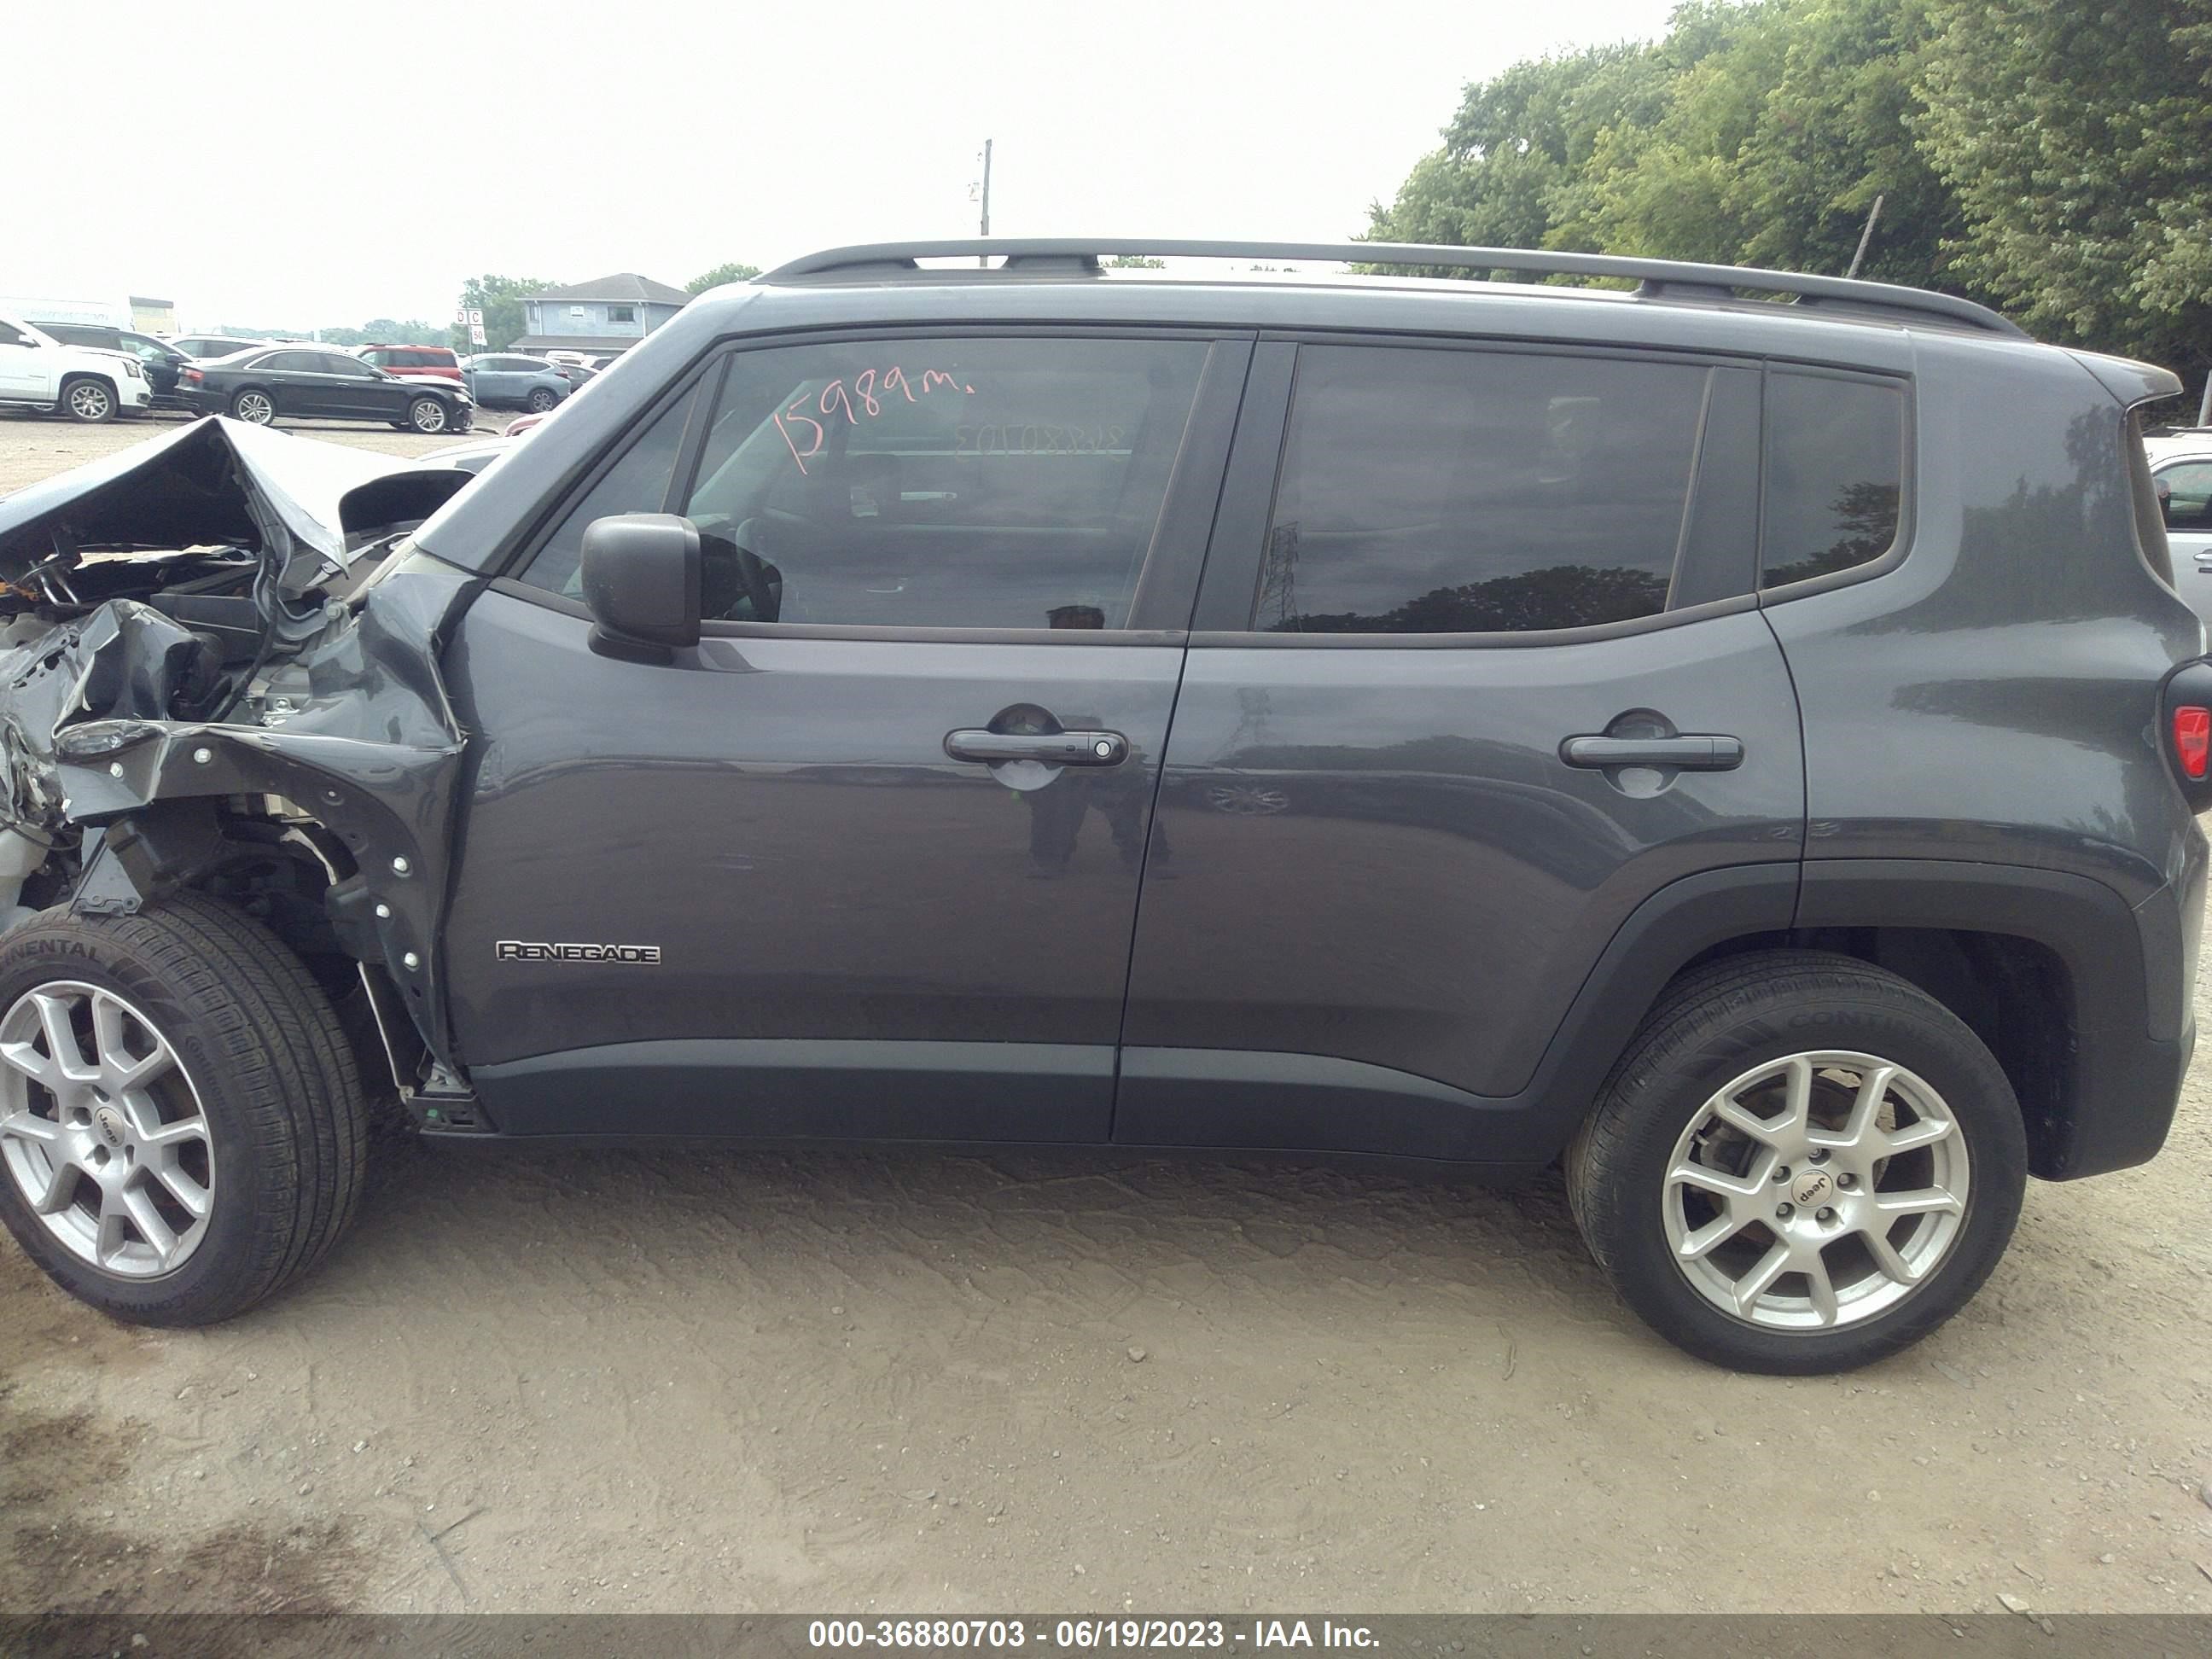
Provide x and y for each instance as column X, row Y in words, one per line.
column 1658, row 279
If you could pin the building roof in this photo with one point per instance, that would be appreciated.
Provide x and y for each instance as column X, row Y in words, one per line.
column 603, row 344
column 625, row 287
column 140, row 299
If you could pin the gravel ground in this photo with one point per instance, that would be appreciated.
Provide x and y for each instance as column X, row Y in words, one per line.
column 685, row 1380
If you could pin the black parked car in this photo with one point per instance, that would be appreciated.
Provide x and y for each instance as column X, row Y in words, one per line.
column 1677, row 737
column 308, row 383
column 161, row 361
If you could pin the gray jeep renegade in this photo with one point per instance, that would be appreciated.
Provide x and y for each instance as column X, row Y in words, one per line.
column 1735, row 739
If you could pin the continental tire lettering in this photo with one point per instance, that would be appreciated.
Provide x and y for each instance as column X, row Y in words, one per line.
column 516, row 950
column 58, row 947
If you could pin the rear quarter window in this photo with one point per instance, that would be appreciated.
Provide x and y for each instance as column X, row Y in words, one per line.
column 1834, row 474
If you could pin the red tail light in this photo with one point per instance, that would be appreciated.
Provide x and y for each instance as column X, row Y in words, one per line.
column 2192, row 740
column 194, row 374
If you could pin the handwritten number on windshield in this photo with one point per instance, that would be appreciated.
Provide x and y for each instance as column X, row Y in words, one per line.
column 863, row 400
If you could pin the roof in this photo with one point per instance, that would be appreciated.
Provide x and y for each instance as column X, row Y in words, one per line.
column 141, row 300
column 1672, row 280
column 624, row 286
column 607, row 344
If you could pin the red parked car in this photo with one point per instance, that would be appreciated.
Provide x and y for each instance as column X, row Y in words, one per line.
column 413, row 362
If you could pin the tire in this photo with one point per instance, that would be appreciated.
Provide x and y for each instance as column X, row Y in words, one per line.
column 427, row 415
column 542, row 400
column 88, row 400
column 253, row 405
column 279, row 1150
column 1756, row 1031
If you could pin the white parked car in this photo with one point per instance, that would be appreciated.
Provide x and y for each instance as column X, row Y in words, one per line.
column 82, row 382
column 2181, row 473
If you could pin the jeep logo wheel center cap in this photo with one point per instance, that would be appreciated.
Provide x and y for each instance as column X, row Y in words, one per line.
column 109, row 1125
column 1812, row 1188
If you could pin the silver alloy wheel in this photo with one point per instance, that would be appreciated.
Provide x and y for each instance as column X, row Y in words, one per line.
column 1815, row 1191
column 257, row 407
column 427, row 413
column 102, row 1131
column 90, row 401
column 541, row 400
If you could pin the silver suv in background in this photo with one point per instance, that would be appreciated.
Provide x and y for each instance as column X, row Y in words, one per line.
column 512, row 380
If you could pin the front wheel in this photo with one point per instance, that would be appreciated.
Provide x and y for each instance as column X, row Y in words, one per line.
column 427, row 415
column 182, row 1129
column 88, row 400
column 1802, row 1164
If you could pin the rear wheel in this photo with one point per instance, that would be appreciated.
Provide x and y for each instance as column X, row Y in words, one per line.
column 182, row 1129
column 541, row 399
column 254, row 406
column 1802, row 1164
column 427, row 415
column 88, row 400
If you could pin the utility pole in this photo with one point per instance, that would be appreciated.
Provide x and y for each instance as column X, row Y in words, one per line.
column 1865, row 236
column 982, row 259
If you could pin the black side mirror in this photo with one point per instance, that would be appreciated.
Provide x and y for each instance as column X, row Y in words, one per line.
column 641, row 580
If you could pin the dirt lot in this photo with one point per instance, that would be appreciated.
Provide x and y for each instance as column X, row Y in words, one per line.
column 686, row 1380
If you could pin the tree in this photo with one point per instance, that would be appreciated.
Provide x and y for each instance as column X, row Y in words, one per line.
column 732, row 272
column 2074, row 138
column 499, row 299
column 1516, row 146
column 1135, row 262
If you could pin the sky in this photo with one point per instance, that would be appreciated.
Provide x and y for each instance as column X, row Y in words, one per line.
column 304, row 165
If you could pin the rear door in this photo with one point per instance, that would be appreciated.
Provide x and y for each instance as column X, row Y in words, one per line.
column 292, row 380
column 1477, row 672
column 876, row 841
column 2184, row 492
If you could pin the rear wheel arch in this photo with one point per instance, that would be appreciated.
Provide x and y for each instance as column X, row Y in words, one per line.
column 2046, row 968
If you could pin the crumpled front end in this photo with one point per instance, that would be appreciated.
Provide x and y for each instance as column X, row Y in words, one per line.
column 237, row 715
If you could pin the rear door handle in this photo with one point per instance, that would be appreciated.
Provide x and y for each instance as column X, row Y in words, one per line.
column 2204, row 560
column 1705, row 752
column 1053, row 748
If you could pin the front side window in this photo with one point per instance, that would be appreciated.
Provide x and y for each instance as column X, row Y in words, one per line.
column 2185, row 493
column 1435, row 491
column 935, row 483
column 1835, row 471
column 351, row 367
column 638, row 482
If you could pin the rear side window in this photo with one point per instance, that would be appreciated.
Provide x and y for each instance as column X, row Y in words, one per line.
column 940, row 482
column 1428, row 491
column 1835, row 473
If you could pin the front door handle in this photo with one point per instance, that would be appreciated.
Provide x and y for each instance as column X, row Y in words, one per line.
column 1053, row 748
column 1705, row 752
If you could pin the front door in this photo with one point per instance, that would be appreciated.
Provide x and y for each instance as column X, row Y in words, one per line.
column 866, row 860
column 354, row 389
column 2185, row 490
column 1478, row 673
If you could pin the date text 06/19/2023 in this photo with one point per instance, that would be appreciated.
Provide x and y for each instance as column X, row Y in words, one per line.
column 1084, row 1635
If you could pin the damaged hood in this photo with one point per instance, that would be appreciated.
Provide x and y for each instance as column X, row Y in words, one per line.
column 304, row 506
